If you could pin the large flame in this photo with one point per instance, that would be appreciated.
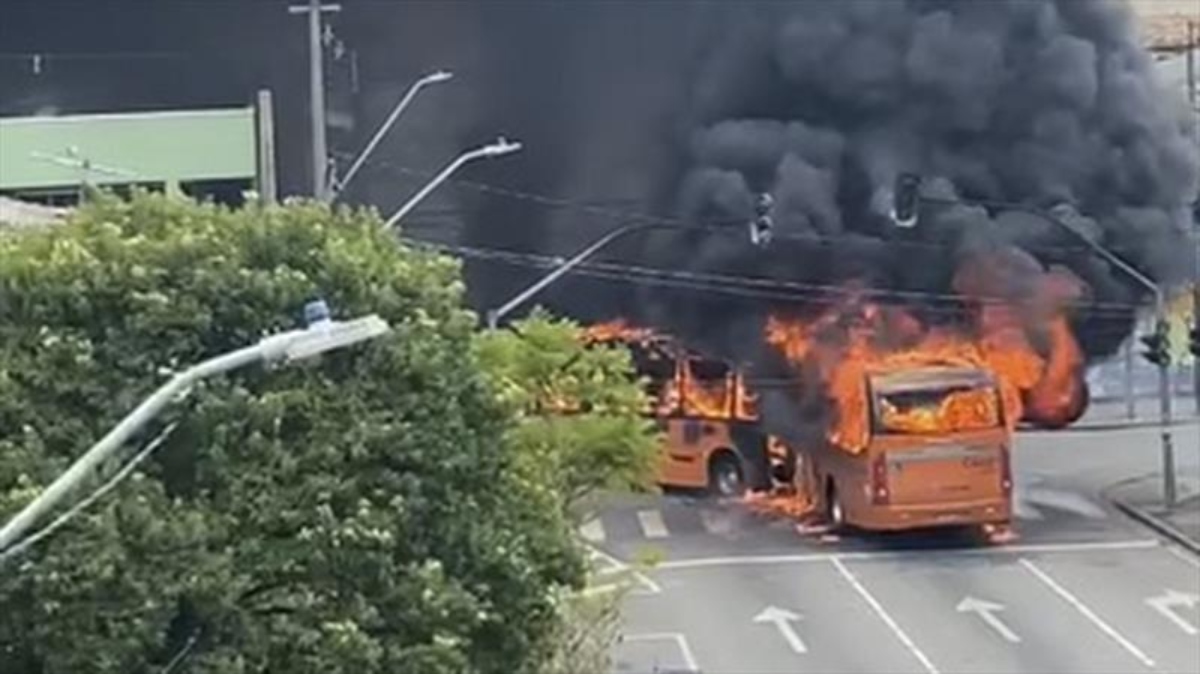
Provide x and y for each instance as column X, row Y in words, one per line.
column 723, row 397
column 857, row 338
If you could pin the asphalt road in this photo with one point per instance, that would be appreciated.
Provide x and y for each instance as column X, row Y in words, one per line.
column 1083, row 589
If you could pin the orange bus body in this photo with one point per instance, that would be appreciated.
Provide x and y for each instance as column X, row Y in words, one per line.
column 905, row 480
column 711, row 435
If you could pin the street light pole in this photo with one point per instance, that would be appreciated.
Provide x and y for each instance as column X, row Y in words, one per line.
column 1160, row 311
column 501, row 147
column 761, row 226
column 316, row 91
column 1193, row 45
column 1165, row 393
column 494, row 315
column 321, row 336
column 439, row 76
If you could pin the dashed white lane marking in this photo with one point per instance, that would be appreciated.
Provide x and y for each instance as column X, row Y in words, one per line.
column 884, row 616
column 1010, row 550
column 717, row 522
column 1086, row 612
column 652, row 524
column 685, row 650
column 1186, row 557
column 592, row 530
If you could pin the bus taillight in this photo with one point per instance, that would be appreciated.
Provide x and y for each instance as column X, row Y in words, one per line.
column 1005, row 471
column 879, row 480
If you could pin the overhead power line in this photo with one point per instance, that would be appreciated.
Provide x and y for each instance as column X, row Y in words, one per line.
column 746, row 286
column 629, row 216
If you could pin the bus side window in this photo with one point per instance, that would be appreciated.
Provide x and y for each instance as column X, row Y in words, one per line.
column 659, row 370
column 708, row 388
column 745, row 401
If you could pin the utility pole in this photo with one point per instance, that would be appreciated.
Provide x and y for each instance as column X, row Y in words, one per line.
column 1130, row 401
column 316, row 84
column 268, row 188
column 1193, row 44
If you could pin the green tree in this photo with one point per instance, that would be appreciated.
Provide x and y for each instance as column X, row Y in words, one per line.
column 382, row 510
column 580, row 432
column 579, row 409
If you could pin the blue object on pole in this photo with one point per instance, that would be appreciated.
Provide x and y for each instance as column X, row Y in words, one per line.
column 316, row 313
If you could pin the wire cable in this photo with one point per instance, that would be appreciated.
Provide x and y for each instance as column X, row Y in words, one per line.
column 770, row 288
column 25, row 543
column 631, row 216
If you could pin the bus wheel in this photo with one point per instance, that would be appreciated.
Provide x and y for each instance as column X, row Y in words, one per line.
column 834, row 513
column 725, row 476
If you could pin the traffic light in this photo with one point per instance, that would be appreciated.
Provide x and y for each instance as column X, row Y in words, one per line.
column 906, row 200
column 760, row 227
column 1194, row 341
column 1157, row 346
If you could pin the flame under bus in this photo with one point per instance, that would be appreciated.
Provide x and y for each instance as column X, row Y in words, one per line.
column 937, row 454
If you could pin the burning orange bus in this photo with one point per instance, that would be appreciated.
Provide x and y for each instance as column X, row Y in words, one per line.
column 712, row 437
column 936, row 452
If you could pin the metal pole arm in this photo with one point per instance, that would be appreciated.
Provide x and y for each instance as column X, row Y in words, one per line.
column 431, row 186
column 494, row 316
column 1109, row 256
column 1160, row 310
column 440, row 76
column 117, row 437
column 501, row 147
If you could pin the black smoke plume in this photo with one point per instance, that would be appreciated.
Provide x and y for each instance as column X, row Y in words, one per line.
column 1049, row 104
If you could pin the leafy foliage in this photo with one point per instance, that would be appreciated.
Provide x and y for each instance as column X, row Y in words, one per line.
column 387, row 509
column 578, row 408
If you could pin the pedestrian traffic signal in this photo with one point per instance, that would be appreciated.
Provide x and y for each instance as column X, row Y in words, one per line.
column 762, row 224
column 1158, row 347
column 906, row 199
column 1194, row 341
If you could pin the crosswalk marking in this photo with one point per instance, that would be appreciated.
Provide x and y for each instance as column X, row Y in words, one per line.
column 592, row 530
column 716, row 522
column 652, row 524
column 672, row 519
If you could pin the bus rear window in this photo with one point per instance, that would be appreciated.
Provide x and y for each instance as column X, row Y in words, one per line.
column 937, row 410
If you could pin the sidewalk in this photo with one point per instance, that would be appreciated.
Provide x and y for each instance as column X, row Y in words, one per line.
column 1141, row 499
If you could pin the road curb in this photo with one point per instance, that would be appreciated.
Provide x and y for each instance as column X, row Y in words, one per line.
column 1158, row 524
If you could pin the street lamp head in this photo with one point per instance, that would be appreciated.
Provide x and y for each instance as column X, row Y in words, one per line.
column 438, row 76
column 502, row 146
column 320, row 334
column 333, row 335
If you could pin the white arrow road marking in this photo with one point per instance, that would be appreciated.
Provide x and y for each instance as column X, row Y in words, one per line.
column 987, row 611
column 1166, row 602
column 782, row 619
